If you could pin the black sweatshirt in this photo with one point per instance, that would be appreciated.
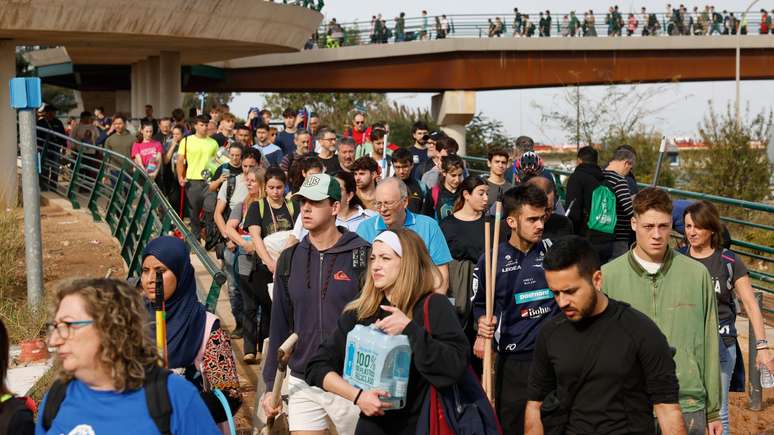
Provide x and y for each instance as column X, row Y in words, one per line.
column 440, row 358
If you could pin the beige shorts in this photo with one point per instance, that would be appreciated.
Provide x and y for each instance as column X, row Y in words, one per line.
column 308, row 407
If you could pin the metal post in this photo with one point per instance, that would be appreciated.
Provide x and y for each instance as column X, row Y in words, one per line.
column 756, row 392
column 661, row 151
column 33, row 246
column 738, row 43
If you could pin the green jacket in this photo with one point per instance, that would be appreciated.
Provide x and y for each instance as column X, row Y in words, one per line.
column 680, row 299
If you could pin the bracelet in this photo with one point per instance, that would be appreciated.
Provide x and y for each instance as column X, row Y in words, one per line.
column 358, row 396
column 762, row 348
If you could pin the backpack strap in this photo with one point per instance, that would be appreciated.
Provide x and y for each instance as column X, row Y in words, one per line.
column 9, row 407
column 54, row 400
column 435, row 192
column 284, row 263
column 157, row 398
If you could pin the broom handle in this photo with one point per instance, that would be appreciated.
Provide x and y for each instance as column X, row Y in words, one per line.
column 487, row 374
column 488, row 366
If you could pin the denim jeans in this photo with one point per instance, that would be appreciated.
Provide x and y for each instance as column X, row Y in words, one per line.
column 727, row 363
column 234, row 296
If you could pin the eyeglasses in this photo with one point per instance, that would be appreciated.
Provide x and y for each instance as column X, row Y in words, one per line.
column 387, row 205
column 64, row 328
column 359, row 122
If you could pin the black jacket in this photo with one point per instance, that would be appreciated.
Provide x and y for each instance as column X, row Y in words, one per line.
column 439, row 359
column 580, row 186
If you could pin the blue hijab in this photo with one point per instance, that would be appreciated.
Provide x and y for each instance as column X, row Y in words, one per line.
column 186, row 317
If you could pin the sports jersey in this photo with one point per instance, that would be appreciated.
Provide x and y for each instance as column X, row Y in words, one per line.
column 197, row 152
column 522, row 299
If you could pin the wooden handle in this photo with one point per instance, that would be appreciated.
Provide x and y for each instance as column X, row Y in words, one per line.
column 490, row 289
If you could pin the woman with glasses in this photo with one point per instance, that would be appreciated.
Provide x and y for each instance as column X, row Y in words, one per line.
column 399, row 281
column 109, row 364
column 197, row 347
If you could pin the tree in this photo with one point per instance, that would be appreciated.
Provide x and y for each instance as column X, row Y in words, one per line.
column 646, row 145
column 335, row 109
column 618, row 111
column 482, row 134
column 192, row 99
column 735, row 164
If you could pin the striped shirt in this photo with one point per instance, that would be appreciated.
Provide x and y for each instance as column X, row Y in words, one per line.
column 623, row 204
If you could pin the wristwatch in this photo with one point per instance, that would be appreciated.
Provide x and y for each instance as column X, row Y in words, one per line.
column 761, row 344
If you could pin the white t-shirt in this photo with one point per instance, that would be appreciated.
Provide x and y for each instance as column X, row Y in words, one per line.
column 649, row 266
column 240, row 191
column 351, row 223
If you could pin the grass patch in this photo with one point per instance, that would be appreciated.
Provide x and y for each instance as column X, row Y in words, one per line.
column 21, row 321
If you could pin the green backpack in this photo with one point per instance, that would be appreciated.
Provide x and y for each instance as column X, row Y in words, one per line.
column 602, row 216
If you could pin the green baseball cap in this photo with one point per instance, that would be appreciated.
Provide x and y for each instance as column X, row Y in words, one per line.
column 317, row 187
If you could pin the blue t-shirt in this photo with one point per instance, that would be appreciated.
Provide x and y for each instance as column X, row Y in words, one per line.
column 85, row 411
column 426, row 227
column 286, row 141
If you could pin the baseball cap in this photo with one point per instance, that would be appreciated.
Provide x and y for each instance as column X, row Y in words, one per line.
column 317, row 187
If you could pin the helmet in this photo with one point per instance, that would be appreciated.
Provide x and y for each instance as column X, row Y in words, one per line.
column 528, row 165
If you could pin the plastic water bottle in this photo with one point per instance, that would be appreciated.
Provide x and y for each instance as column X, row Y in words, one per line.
column 767, row 380
column 375, row 360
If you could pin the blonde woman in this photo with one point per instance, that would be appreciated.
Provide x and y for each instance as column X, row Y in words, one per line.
column 400, row 277
column 253, row 276
column 108, row 364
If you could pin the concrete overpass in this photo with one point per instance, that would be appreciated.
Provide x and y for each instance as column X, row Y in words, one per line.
column 147, row 40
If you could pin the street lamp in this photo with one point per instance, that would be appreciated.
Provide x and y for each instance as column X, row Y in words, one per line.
column 738, row 43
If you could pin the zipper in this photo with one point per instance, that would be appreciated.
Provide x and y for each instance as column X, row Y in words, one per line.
column 320, row 289
column 654, row 287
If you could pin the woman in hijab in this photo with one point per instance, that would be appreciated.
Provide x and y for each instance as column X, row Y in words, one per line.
column 197, row 347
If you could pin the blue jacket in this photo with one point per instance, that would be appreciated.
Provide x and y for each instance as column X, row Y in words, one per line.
column 320, row 285
column 522, row 299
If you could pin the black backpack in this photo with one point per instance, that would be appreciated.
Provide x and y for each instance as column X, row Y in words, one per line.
column 156, row 397
column 9, row 408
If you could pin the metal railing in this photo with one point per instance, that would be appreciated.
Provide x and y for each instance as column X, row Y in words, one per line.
column 755, row 253
column 118, row 192
column 332, row 35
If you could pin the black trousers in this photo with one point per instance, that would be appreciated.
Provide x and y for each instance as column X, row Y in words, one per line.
column 195, row 192
column 255, row 293
column 511, row 376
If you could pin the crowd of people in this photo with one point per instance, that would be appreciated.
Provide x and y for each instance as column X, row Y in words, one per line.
column 673, row 21
column 598, row 323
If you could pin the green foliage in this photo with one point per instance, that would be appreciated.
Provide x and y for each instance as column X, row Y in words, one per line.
column 483, row 134
column 336, row 110
column 731, row 165
column 646, row 146
column 191, row 99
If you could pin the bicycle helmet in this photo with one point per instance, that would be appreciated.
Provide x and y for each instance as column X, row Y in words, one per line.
column 529, row 164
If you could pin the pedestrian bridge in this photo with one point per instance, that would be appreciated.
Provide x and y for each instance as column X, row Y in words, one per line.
column 496, row 63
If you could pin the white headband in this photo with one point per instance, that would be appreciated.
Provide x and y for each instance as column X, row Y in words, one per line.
column 391, row 239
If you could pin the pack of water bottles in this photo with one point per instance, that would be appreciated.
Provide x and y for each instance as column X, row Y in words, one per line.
column 375, row 360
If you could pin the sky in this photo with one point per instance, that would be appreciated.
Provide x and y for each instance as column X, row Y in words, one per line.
column 683, row 106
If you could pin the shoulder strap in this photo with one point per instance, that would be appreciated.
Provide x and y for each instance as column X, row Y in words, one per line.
column 157, row 398
column 261, row 207
column 289, row 205
column 435, row 192
column 54, row 400
column 284, row 262
column 8, row 409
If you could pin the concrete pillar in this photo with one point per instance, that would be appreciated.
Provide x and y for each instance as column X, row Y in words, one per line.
column 453, row 110
column 142, row 80
column 123, row 102
column 154, row 83
column 147, row 78
column 136, row 92
column 170, row 95
column 8, row 143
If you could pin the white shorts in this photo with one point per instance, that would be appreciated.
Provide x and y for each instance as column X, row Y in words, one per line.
column 308, row 407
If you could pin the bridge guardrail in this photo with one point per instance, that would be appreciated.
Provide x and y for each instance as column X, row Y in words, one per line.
column 477, row 26
column 755, row 253
column 118, row 192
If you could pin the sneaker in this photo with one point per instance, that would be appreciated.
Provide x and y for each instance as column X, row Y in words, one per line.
column 237, row 333
column 249, row 358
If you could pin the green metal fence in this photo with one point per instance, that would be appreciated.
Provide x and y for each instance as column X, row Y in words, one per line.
column 118, row 192
column 759, row 258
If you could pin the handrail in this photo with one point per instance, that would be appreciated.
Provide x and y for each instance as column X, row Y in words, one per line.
column 127, row 179
column 478, row 26
column 476, row 165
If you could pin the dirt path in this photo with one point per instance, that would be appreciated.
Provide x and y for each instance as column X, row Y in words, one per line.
column 71, row 246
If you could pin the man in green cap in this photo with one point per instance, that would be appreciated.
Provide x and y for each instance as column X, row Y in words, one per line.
column 325, row 276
